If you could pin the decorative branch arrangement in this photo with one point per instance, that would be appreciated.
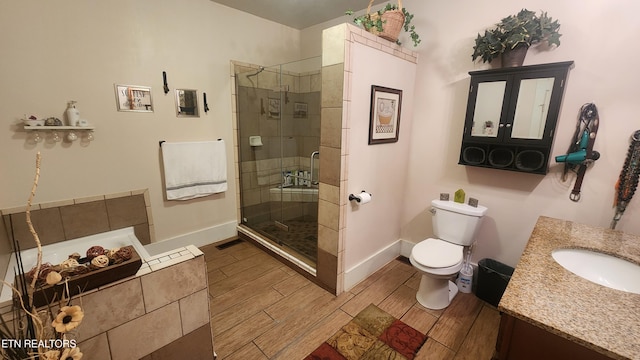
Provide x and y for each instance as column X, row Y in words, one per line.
column 31, row 228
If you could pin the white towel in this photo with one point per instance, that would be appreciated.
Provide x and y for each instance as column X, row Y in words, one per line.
column 194, row 169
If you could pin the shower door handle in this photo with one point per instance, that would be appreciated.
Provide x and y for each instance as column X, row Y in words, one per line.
column 311, row 163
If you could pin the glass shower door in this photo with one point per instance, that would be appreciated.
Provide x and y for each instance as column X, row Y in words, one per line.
column 300, row 135
column 279, row 197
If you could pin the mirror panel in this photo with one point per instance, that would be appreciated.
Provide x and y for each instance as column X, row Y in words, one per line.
column 512, row 115
column 532, row 108
column 486, row 116
column 187, row 103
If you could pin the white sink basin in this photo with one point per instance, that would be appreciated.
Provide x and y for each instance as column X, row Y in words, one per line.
column 600, row 268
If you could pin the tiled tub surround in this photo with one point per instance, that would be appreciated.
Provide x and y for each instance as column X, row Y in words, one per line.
column 58, row 252
column 161, row 312
column 75, row 218
column 543, row 293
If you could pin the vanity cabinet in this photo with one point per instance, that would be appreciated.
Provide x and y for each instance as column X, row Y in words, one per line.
column 511, row 117
column 519, row 340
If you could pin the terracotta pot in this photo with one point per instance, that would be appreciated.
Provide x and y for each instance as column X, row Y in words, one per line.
column 514, row 57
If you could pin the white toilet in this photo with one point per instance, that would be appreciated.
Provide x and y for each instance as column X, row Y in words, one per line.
column 455, row 226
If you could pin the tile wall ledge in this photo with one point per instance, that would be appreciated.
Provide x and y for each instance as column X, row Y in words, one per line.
column 166, row 259
column 80, row 200
column 364, row 37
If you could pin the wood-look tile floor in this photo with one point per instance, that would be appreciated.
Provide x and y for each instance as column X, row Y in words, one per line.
column 262, row 309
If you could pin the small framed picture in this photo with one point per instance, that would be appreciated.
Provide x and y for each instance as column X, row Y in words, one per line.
column 384, row 119
column 274, row 108
column 300, row 110
column 133, row 98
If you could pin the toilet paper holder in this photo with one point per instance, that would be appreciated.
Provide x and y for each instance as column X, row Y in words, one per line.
column 356, row 198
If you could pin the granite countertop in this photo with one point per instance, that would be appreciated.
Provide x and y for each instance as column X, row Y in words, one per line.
column 543, row 293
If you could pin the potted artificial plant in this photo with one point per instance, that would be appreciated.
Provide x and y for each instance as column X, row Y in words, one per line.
column 388, row 22
column 514, row 34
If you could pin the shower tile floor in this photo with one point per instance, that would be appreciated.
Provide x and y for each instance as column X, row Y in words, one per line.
column 302, row 236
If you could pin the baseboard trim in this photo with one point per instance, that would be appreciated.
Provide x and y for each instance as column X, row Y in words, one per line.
column 406, row 247
column 373, row 263
column 198, row 238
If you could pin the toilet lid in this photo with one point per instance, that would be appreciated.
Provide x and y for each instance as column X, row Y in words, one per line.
column 436, row 253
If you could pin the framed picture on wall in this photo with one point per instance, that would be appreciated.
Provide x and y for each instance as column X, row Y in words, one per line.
column 274, row 108
column 133, row 98
column 300, row 110
column 384, row 118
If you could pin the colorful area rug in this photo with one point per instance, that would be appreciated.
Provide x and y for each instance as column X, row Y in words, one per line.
column 372, row 334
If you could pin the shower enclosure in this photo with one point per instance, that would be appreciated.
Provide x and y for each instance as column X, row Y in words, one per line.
column 278, row 110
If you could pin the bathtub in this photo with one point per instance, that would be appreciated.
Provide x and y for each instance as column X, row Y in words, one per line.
column 58, row 252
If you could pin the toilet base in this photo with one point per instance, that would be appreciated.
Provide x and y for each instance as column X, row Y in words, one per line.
column 436, row 293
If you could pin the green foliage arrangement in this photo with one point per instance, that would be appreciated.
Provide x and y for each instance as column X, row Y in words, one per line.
column 524, row 29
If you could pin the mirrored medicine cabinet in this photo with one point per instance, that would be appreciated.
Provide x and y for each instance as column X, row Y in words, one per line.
column 511, row 117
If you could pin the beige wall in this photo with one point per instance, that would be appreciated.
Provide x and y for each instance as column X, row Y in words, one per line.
column 378, row 169
column 53, row 52
column 599, row 36
column 605, row 73
column 347, row 233
column 57, row 51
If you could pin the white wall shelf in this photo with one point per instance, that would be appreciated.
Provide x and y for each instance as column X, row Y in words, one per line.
column 69, row 133
column 38, row 127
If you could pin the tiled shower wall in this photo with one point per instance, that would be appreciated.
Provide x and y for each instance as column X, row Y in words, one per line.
column 261, row 165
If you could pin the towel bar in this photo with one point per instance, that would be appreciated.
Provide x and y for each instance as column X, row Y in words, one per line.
column 163, row 141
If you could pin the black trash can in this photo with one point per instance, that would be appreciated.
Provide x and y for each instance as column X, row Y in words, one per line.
column 493, row 277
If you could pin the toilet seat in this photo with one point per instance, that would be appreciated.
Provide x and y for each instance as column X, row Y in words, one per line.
column 437, row 256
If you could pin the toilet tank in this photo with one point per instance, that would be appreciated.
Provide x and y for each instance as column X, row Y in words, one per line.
column 456, row 223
